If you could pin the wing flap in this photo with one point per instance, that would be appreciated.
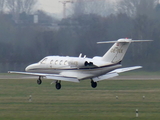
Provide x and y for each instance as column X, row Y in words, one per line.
column 75, row 75
column 104, row 77
column 114, row 73
column 62, row 78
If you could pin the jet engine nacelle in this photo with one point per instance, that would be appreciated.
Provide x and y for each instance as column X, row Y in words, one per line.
column 80, row 63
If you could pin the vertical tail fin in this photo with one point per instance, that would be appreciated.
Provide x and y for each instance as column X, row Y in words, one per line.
column 116, row 53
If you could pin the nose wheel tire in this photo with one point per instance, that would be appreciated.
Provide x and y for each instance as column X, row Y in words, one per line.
column 58, row 86
column 39, row 81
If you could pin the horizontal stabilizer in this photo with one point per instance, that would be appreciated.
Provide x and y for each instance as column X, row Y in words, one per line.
column 106, row 42
column 142, row 40
column 124, row 41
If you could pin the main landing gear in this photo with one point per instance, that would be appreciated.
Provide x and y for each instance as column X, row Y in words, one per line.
column 58, row 83
column 93, row 84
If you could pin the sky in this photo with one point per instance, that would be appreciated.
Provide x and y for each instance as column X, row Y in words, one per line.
column 51, row 6
column 55, row 6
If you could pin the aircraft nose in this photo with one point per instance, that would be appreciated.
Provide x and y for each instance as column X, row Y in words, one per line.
column 30, row 67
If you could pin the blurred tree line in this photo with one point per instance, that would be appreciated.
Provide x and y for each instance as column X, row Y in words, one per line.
column 92, row 21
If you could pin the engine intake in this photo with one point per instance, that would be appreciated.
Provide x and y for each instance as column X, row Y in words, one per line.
column 88, row 63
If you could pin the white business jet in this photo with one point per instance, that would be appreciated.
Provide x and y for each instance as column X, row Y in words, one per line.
column 75, row 69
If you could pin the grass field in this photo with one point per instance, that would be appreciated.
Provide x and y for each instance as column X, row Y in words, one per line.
column 79, row 101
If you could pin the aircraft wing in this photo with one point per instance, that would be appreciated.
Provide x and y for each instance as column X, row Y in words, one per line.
column 120, row 70
column 28, row 73
column 67, row 76
column 104, row 77
column 48, row 76
column 114, row 73
column 62, row 78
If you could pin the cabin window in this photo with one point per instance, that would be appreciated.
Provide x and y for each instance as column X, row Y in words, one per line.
column 60, row 63
column 56, row 62
column 51, row 62
column 66, row 62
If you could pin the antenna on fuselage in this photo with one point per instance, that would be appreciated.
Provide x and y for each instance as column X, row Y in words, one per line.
column 80, row 55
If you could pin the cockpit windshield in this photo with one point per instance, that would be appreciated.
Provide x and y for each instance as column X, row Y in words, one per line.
column 43, row 61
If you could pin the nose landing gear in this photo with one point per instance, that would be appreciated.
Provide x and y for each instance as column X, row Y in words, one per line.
column 39, row 81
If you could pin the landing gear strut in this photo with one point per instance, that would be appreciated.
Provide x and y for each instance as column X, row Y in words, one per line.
column 93, row 84
column 58, row 85
column 39, row 81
